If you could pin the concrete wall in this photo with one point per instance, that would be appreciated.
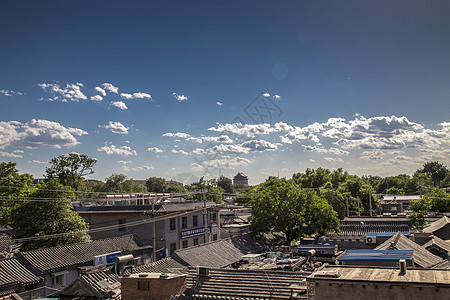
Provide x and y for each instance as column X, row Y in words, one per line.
column 347, row 291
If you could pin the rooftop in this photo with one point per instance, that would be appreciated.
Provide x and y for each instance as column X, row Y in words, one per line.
column 376, row 255
column 76, row 255
column 436, row 225
column 422, row 257
column 245, row 284
column 383, row 274
column 12, row 272
column 218, row 254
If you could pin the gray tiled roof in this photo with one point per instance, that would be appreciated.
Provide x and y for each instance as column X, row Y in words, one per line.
column 75, row 255
column 422, row 257
column 5, row 242
column 165, row 265
column 243, row 284
column 438, row 242
column 436, row 225
column 13, row 272
column 219, row 253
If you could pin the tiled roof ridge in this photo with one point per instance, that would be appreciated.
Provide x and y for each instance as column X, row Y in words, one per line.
column 78, row 244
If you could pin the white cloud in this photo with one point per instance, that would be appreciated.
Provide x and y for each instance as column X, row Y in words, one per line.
column 266, row 95
column 155, row 150
column 10, row 155
column 126, row 96
column 180, row 152
column 96, row 98
column 116, row 127
column 119, row 104
column 142, row 96
column 181, row 135
column 124, row 162
column 219, row 103
column 249, row 130
column 143, row 168
column 110, row 88
column 101, row 91
column 179, row 97
column 222, row 163
column 38, row 133
column 224, row 139
column 35, row 161
column 10, row 93
column 71, row 92
column 243, row 148
column 112, row 149
column 277, row 96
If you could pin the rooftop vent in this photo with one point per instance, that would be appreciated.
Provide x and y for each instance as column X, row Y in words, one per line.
column 327, row 274
column 402, row 264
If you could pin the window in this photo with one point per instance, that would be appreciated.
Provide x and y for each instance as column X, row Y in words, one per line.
column 172, row 224
column 213, row 217
column 173, row 247
column 185, row 244
column 194, row 221
column 215, row 237
column 58, row 279
column 183, row 222
column 122, row 225
column 195, row 241
column 143, row 285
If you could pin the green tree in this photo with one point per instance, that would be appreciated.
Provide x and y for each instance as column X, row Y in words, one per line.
column 226, row 184
column 156, row 185
column 436, row 171
column 71, row 169
column 113, row 182
column 419, row 209
column 440, row 200
column 281, row 205
column 48, row 212
column 12, row 186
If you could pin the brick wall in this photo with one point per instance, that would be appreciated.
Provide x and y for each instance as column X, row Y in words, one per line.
column 152, row 286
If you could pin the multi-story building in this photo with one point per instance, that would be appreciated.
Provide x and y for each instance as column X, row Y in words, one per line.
column 165, row 226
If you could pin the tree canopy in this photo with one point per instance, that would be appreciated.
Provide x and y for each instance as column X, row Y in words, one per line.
column 48, row 212
column 282, row 205
column 71, row 169
column 12, row 186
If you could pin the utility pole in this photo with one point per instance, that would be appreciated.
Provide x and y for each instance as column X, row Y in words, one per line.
column 359, row 209
column 205, row 217
column 370, row 200
column 348, row 211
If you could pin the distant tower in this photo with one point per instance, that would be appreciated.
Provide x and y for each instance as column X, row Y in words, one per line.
column 240, row 178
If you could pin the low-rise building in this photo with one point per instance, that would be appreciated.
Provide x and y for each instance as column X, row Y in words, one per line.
column 351, row 282
column 397, row 204
column 58, row 266
column 439, row 228
column 422, row 257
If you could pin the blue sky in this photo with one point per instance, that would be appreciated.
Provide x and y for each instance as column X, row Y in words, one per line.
column 180, row 88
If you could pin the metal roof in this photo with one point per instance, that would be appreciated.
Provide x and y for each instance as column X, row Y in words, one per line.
column 385, row 234
column 376, row 255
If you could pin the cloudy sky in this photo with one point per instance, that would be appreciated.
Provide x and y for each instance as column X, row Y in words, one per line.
column 190, row 88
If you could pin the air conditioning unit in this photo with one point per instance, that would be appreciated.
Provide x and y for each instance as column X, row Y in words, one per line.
column 202, row 271
column 371, row 239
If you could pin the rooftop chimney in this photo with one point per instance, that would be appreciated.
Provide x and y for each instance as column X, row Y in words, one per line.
column 402, row 264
